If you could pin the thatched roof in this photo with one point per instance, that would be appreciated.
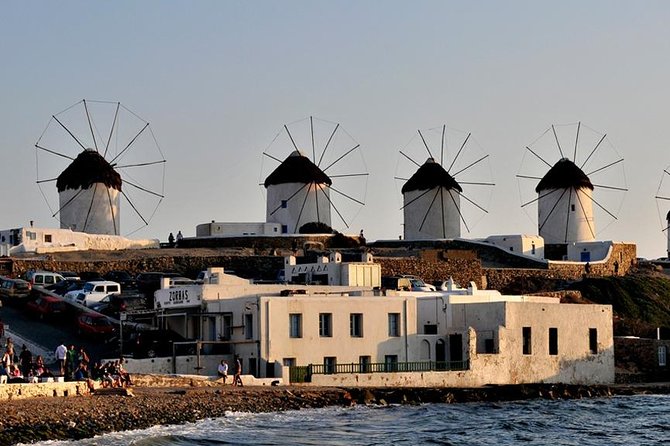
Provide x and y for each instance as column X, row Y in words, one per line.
column 297, row 168
column 429, row 176
column 564, row 175
column 88, row 168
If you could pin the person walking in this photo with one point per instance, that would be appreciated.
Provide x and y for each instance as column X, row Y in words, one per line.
column 237, row 379
column 61, row 353
column 222, row 371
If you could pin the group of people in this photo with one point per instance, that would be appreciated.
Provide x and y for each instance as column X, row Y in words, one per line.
column 22, row 368
column 75, row 365
column 72, row 362
column 171, row 239
column 222, row 372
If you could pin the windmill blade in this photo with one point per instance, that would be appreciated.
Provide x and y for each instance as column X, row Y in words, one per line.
column 588, row 222
column 605, row 167
column 459, row 210
column 68, row 130
column 430, row 206
column 46, row 181
column 553, row 208
column 459, row 153
column 470, row 165
column 662, row 198
column 134, row 208
column 149, row 163
column 603, row 208
column 327, row 144
column 444, row 130
column 469, row 183
column 125, row 181
column 593, row 151
column 290, row 198
column 539, row 197
column 297, row 222
column 444, row 227
column 311, row 128
column 473, row 203
column 316, row 199
column 111, row 209
column 538, row 156
column 111, row 130
column 347, row 196
column 574, row 158
column 341, row 157
column 406, row 156
column 272, row 157
column 425, row 144
column 415, row 198
column 567, row 218
column 334, row 207
column 623, row 189
column 402, row 179
column 90, row 206
column 553, row 129
column 350, row 175
column 129, row 144
column 291, row 137
column 90, row 125
column 529, row 177
column 54, row 152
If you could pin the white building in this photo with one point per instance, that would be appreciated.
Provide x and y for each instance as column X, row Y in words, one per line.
column 89, row 190
column 431, row 204
column 522, row 244
column 355, row 336
column 237, row 229
column 298, row 192
column 331, row 270
column 565, row 205
column 44, row 240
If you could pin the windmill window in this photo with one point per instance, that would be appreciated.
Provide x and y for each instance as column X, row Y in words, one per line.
column 572, row 207
column 284, row 229
column 47, row 238
column 284, row 204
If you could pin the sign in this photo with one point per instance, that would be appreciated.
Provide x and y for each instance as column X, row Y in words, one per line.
column 178, row 297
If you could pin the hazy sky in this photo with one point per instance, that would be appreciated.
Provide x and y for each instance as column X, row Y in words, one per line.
column 217, row 81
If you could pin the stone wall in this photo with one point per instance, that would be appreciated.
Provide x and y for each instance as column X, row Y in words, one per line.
column 66, row 389
column 637, row 360
column 463, row 271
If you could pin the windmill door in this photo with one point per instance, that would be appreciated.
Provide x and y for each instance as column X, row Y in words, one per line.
column 585, row 256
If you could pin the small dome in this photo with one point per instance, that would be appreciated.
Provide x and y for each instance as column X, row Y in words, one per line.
column 429, row 176
column 88, row 168
column 564, row 175
column 297, row 168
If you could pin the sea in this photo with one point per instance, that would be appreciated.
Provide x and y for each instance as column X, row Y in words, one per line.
column 620, row 420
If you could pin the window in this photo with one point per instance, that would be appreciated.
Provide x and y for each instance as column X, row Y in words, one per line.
column 329, row 363
column 394, row 324
column 526, row 341
column 593, row 340
column 325, row 325
column 430, row 329
column 356, row 325
column 113, row 289
column 364, row 364
column 284, row 204
column 100, row 289
column 48, row 280
column 248, row 326
column 227, row 329
column 391, row 362
column 284, row 229
column 288, row 362
column 47, row 238
column 489, row 346
column 553, row 341
column 662, row 355
column 295, row 323
column 572, row 207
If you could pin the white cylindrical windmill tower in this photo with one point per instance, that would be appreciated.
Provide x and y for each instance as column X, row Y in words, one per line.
column 431, row 204
column 88, row 191
column 298, row 192
column 565, row 205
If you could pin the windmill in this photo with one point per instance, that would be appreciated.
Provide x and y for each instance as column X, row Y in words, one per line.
column 321, row 168
column 662, row 199
column 435, row 203
column 100, row 154
column 584, row 184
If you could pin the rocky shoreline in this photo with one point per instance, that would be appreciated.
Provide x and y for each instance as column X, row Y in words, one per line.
column 40, row 419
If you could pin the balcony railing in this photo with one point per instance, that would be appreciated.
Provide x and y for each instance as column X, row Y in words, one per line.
column 301, row 374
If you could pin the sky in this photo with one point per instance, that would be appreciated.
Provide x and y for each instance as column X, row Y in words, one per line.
column 218, row 80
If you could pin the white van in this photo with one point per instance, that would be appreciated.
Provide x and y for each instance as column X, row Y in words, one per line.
column 93, row 292
column 43, row 278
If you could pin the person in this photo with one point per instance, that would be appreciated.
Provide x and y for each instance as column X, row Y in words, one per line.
column 40, row 369
column 616, row 267
column 587, row 268
column 223, row 371
column 61, row 353
column 81, row 373
column 237, row 379
column 70, row 362
column 7, row 358
column 83, row 356
column 171, row 240
column 26, row 359
column 10, row 347
column 361, row 238
column 179, row 237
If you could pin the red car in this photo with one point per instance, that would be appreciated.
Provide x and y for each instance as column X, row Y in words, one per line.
column 46, row 307
column 94, row 324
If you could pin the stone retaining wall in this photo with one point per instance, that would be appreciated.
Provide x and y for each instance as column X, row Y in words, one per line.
column 66, row 389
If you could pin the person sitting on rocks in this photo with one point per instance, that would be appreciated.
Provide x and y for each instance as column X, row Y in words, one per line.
column 124, row 376
column 15, row 375
column 40, row 369
column 81, row 372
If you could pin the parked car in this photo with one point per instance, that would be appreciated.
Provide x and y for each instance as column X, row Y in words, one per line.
column 154, row 343
column 93, row 324
column 14, row 289
column 123, row 277
column 94, row 292
column 46, row 307
column 65, row 286
column 69, row 275
column 43, row 278
column 114, row 304
column 90, row 276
